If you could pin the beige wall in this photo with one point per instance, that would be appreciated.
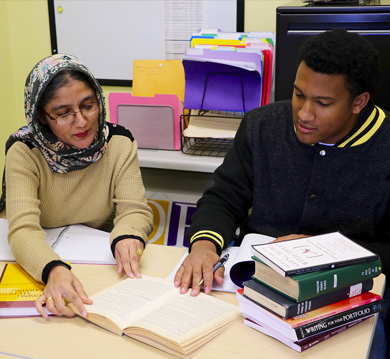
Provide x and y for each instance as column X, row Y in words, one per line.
column 25, row 39
column 260, row 15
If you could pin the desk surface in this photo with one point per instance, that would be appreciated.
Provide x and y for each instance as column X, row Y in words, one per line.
column 64, row 338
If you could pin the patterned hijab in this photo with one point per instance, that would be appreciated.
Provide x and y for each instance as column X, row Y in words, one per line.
column 60, row 157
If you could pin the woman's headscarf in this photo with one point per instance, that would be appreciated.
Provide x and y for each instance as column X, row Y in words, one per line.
column 60, row 157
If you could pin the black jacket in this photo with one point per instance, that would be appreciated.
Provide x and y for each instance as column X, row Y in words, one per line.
column 292, row 188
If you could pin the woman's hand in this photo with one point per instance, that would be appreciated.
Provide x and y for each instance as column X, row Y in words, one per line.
column 128, row 253
column 61, row 284
column 197, row 265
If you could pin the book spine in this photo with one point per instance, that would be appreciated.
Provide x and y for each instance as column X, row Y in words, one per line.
column 328, row 266
column 299, row 308
column 346, row 317
column 318, row 283
column 308, row 342
column 286, row 308
column 336, row 310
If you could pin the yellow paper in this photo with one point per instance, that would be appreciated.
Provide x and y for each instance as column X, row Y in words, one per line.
column 151, row 77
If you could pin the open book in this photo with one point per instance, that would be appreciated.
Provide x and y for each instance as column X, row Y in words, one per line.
column 72, row 243
column 240, row 267
column 153, row 311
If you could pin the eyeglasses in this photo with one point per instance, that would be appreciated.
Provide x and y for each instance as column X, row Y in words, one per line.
column 68, row 117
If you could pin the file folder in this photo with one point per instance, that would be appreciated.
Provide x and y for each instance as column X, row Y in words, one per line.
column 157, row 77
column 153, row 121
column 222, row 81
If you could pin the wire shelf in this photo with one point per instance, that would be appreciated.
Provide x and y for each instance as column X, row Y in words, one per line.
column 205, row 146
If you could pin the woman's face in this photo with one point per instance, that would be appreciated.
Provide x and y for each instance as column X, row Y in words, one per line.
column 72, row 97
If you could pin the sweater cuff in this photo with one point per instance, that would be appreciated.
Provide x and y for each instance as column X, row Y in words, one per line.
column 208, row 236
column 117, row 239
column 50, row 266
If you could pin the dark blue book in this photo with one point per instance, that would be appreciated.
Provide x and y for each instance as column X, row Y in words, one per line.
column 287, row 308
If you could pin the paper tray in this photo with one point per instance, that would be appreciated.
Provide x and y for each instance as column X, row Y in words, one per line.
column 203, row 146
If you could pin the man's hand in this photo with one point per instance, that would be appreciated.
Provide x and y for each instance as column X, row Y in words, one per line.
column 197, row 265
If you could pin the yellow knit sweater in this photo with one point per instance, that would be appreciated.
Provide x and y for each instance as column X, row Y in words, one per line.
column 36, row 197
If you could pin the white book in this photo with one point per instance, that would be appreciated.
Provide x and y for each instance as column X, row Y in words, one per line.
column 311, row 254
column 300, row 345
column 307, row 329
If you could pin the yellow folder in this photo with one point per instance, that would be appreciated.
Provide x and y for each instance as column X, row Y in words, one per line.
column 161, row 77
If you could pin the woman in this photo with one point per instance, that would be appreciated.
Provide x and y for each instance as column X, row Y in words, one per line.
column 69, row 166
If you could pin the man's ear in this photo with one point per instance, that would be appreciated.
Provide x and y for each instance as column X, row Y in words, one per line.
column 359, row 102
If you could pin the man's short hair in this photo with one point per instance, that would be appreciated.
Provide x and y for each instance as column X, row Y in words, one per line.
column 339, row 52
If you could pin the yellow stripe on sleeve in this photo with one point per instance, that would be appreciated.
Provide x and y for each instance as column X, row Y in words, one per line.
column 216, row 237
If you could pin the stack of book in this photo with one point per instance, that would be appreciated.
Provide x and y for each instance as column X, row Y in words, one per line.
column 309, row 289
column 18, row 292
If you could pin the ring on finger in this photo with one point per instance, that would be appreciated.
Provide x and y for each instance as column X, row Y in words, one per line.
column 140, row 251
column 49, row 298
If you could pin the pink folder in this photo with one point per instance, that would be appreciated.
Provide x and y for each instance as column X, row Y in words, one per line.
column 154, row 121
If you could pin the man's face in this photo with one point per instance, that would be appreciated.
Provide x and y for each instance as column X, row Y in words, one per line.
column 322, row 108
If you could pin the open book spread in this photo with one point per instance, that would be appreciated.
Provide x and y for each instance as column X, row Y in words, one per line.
column 153, row 311
column 72, row 243
column 239, row 268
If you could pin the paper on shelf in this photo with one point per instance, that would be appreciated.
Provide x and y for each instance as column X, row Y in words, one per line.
column 210, row 126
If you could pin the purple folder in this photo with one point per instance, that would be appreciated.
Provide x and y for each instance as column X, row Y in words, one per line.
column 210, row 85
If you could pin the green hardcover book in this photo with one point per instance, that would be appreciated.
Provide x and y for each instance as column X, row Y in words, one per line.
column 287, row 308
column 309, row 285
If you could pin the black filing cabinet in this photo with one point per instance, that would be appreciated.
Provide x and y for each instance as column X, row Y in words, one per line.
column 297, row 21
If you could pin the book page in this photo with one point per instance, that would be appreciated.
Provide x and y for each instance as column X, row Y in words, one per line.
column 129, row 300
column 153, row 311
column 72, row 243
column 182, row 317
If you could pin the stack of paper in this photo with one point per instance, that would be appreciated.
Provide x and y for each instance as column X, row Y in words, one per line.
column 212, row 125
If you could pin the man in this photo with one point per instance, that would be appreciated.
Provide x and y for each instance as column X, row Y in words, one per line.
column 317, row 164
